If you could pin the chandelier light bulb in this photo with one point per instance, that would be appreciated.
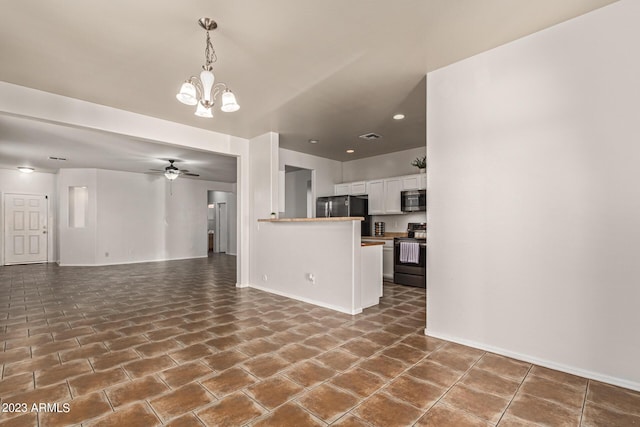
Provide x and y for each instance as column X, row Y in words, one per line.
column 203, row 111
column 171, row 174
column 229, row 104
column 187, row 94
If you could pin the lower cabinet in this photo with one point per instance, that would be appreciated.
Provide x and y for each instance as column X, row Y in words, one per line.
column 387, row 260
column 387, row 257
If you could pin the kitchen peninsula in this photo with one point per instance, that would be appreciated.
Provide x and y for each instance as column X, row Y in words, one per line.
column 321, row 261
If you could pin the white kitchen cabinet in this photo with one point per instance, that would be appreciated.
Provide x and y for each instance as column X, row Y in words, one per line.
column 411, row 182
column 414, row 182
column 371, row 275
column 384, row 196
column 392, row 190
column 358, row 188
column 387, row 260
column 387, row 256
column 341, row 189
column 375, row 190
column 350, row 189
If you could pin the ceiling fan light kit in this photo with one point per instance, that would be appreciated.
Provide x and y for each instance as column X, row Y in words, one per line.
column 171, row 172
column 203, row 91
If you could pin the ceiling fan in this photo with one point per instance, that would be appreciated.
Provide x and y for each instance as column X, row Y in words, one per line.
column 171, row 172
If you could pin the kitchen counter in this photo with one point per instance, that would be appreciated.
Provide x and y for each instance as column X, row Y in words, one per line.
column 338, row 218
column 320, row 261
column 365, row 243
column 387, row 236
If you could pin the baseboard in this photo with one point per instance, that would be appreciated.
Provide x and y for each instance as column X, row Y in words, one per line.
column 130, row 262
column 540, row 362
column 307, row 300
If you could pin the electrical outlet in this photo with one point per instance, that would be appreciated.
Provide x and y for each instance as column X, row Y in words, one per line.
column 312, row 278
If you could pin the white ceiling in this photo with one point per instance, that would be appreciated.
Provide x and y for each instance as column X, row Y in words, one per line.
column 329, row 70
column 27, row 142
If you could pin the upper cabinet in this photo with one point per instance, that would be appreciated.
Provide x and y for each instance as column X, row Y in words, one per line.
column 383, row 194
column 350, row 189
column 392, row 190
column 414, row 182
column 375, row 191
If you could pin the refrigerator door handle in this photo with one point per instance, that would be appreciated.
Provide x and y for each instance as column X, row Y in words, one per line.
column 330, row 206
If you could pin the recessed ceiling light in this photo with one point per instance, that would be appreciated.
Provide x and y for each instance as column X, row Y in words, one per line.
column 25, row 169
column 351, row 151
column 398, row 117
column 313, row 141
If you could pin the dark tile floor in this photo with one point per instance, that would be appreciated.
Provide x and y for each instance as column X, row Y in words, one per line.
column 175, row 343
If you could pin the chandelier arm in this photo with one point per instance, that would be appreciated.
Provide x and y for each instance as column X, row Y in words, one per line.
column 195, row 81
column 220, row 86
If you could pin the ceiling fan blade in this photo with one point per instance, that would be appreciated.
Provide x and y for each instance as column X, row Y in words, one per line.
column 157, row 170
column 190, row 174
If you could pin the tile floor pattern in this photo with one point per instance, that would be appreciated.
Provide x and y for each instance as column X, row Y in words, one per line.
column 175, row 343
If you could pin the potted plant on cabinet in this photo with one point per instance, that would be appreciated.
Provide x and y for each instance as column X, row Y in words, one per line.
column 420, row 163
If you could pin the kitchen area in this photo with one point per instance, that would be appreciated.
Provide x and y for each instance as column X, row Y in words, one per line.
column 395, row 216
column 341, row 240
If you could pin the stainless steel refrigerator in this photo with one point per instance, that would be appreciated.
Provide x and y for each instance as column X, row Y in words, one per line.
column 343, row 206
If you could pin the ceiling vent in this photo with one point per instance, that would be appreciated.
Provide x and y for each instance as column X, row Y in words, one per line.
column 370, row 136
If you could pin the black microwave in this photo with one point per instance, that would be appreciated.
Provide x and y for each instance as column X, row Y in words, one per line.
column 413, row 200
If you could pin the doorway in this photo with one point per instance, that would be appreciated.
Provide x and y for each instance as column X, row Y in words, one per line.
column 221, row 222
column 25, row 228
column 299, row 201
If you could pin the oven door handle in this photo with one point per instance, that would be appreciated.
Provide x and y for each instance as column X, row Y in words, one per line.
column 422, row 245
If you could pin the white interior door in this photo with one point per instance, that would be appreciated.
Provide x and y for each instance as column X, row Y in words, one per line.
column 222, row 236
column 25, row 228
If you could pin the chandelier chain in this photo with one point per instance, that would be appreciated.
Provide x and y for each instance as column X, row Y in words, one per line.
column 209, row 54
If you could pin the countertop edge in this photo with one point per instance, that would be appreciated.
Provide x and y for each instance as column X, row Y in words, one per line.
column 365, row 244
column 340, row 218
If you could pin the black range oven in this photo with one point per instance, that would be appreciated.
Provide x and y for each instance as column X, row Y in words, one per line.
column 410, row 261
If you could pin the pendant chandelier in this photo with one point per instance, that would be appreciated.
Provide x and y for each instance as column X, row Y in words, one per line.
column 203, row 91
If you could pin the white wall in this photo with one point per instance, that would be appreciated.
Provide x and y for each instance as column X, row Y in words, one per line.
column 383, row 166
column 263, row 188
column 77, row 246
column 134, row 217
column 33, row 183
column 325, row 173
column 296, row 184
column 534, row 199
